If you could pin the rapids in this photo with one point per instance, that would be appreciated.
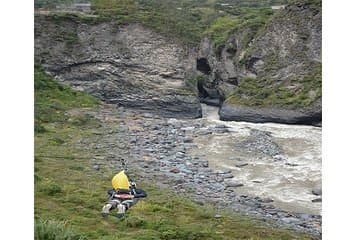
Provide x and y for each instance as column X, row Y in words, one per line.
column 283, row 161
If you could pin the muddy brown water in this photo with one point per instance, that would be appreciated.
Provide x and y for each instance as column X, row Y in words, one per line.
column 288, row 181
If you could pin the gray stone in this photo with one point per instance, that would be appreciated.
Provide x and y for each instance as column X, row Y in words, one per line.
column 317, row 191
column 174, row 170
column 267, row 200
column 305, row 216
column 180, row 155
column 188, row 140
column 292, row 164
column 233, row 184
column 230, row 112
column 240, row 165
column 316, row 200
column 205, row 164
column 225, row 171
column 227, row 175
column 289, row 220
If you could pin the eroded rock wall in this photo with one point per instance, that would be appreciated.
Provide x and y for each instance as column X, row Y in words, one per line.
column 281, row 67
column 128, row 65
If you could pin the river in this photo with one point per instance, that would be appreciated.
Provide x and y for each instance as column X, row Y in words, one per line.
column 276, row 161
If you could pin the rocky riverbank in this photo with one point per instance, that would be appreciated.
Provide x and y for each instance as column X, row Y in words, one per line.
column 161, row 150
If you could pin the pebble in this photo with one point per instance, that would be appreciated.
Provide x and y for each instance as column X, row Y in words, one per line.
column 234, row 184
column 305, row 216
column 267, row 200
column 279, row 158
column 317, row 191
column 227, row 175
column 205, row 164
column 240, row 165
column 222, row 171
column 292, row 164
column 174, row 170
column 188, row 140
column 289, row 219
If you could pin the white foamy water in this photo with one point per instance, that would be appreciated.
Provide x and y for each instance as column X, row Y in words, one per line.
column 287, row 179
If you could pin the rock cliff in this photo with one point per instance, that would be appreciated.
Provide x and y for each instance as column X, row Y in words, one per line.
column 270, row 73
column 124, row 64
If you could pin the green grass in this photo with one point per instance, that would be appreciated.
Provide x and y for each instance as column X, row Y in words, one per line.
column 249, row 22
column 51, row 229
column 69, row 193
column 53, row 99
column 219, row 31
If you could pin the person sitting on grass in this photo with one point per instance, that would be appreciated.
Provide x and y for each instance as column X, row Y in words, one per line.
column 123, row 195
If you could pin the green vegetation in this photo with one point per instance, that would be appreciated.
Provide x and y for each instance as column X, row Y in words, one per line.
column 50, row 230
column 186, row 21
column 293, row 93
column 220, row 30
column 249, row 22
column 69, row 193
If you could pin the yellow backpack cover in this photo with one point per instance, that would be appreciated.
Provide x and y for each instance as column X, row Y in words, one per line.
column 120, row 180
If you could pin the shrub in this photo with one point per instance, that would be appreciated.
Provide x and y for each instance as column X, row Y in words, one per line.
column 51, row 189
column 55, row 230
column 134, row 222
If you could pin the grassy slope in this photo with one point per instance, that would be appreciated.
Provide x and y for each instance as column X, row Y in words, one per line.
column 69, row 194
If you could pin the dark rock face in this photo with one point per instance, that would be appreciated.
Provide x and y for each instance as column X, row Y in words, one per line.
column 127, row 65
column 230, row 112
